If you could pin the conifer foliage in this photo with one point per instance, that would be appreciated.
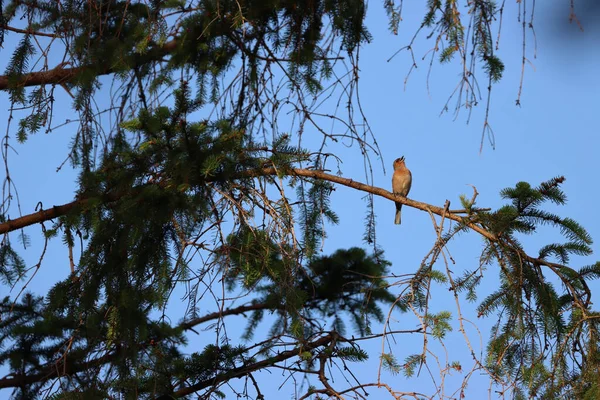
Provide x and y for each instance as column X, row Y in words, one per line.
column 193, row 178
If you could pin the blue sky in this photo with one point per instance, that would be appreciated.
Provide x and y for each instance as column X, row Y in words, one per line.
column 554, row 132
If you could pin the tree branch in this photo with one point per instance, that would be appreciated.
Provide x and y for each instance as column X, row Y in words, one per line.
column 54, row 212
column 29, row 31
column 224, row 313
column 60, row 75
column 241, row 371
column 58, row 211
column 55, row 371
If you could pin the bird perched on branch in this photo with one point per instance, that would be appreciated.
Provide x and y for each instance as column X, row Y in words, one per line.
column 401, row 182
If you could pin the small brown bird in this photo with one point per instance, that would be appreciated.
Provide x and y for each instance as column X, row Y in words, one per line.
column 401, row 182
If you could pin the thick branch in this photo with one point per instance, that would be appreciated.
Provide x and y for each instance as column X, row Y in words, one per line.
column 54, row 212
column 388, row 195
column 58, row 211
column 60, row 75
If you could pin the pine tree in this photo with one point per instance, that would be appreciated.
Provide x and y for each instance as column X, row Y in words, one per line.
column 191, row 183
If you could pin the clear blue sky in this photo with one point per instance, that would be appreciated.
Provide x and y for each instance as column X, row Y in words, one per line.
column 554, row 132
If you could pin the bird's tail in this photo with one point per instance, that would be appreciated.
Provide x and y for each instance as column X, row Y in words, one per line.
column 398, row 210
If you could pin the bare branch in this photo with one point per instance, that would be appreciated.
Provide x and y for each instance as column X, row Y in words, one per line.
column 58, row 211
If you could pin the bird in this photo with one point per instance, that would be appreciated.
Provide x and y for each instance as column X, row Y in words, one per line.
column 401, row 182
